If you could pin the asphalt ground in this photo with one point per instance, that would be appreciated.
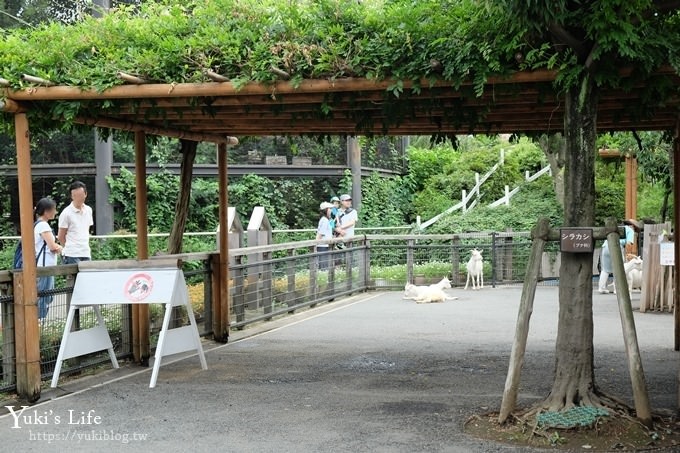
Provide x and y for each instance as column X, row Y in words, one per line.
column 371, row 373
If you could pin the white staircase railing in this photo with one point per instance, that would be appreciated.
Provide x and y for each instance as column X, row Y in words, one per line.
column 466, row 203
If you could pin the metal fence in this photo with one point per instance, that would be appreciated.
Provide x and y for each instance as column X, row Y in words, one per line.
column 275, row 280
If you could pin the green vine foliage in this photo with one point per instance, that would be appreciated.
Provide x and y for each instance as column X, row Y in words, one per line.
column 175, row 42
column 462, row 41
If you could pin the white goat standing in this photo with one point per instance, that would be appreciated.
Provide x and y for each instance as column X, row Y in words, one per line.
column 475, row 270
column 633, row 269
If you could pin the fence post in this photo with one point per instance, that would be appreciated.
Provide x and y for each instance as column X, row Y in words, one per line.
column 508, row 255
column 8, row 334
column 239, row 288
column 455, row 260
column 27, row 342
column 349, row 262
column 367, row 263
column 313, row 266
column 207, row 297
column 493, row 259
column 266, row 279
column 330, row 284
column 290, row 277
column 409, row 260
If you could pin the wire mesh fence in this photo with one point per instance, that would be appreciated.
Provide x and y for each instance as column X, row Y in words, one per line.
column 274, row 280
column 426, row 259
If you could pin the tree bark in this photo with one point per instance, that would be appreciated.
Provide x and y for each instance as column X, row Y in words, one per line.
column 554, row 148
column 574, row 383
column 188, row 150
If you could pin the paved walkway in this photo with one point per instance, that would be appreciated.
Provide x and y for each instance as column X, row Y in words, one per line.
column 373, row 373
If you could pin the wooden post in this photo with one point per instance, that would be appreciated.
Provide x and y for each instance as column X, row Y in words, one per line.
column 631, row 196
column 410, row 244
column 290, row 276
column 455, row 260
column 221, row 305
column 140, row 312
column 313, row 268
column 676, row 229
column 637, row 375
column 539, row 236
column 354, row 158
column 27, row 333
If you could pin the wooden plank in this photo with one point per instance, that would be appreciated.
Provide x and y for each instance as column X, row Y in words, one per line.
column 637, row 376
column 540, row 236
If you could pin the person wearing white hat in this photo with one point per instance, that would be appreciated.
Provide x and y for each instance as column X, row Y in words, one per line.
column 348, row 217
column 324, row 231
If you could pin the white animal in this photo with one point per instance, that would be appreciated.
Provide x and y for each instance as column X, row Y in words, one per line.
column 633, row 269
column 433, row 294
column 475, row 270
column 412, row 291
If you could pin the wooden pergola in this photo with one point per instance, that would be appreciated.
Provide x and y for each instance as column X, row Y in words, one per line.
column 218, row 110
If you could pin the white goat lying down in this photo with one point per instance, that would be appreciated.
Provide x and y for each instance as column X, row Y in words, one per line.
column 428, row 294
column 475, row 270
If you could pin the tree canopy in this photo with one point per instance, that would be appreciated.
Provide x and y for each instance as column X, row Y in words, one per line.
column 420, row 42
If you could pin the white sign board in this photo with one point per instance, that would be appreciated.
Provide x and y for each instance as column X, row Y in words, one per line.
column 130, row 286
column 667, row 253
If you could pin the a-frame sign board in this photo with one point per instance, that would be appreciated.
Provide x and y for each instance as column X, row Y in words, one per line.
column 129, row 286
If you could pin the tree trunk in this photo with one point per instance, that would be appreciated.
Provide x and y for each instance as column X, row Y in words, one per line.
column 188, row 150
column 554, row 148
column 574, row 383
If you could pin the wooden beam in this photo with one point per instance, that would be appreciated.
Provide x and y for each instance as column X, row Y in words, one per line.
column 10, row 106
column 113, row 123
column 163, row 90
column 222, row 306
column 140, row 312
column 27, row 333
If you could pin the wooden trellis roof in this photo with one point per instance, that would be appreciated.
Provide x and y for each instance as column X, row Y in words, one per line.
column 524, row 102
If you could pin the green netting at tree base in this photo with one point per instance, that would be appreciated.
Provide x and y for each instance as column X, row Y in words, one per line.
column 571, row 418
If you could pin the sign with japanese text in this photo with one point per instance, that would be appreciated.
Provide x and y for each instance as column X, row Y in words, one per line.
column 667, row 253
column 576, row 240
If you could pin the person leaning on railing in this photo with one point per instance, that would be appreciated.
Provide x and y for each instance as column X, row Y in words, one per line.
column 74, row 226
column 46, row 250
column 324, row 232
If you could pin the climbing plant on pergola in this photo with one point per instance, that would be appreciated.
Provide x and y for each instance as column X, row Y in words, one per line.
column 207, row 70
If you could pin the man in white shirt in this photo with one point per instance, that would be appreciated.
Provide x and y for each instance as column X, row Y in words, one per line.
column 348, row 217
column 74, row 226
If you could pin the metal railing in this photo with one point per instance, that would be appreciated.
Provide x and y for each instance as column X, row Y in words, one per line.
column 275, row 280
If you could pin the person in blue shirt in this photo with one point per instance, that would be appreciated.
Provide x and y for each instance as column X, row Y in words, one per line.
column 335, row 213
column 606, row 267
